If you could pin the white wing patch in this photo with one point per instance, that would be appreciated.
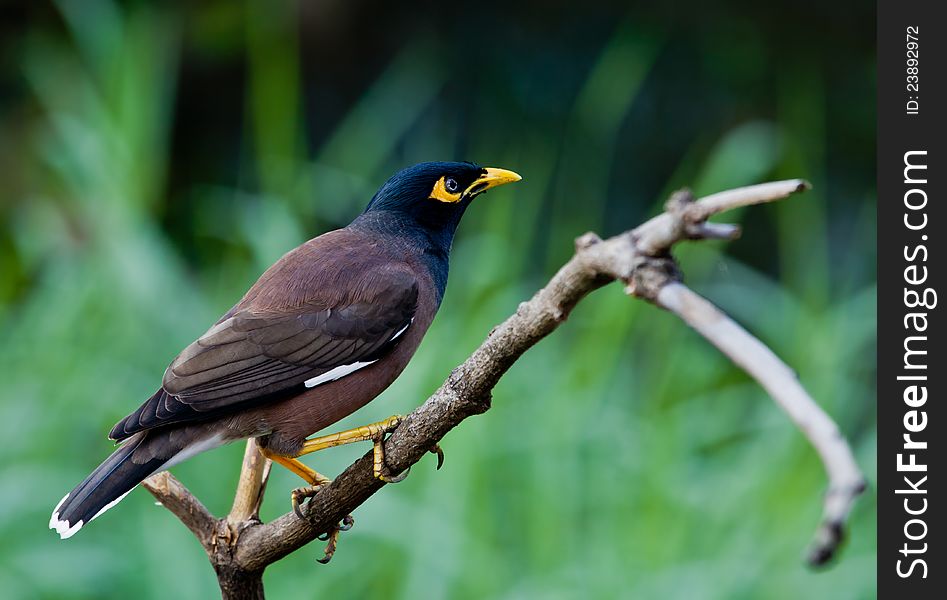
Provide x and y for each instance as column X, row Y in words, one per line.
column 336, row 373
column 343, row 370
column 402, row 330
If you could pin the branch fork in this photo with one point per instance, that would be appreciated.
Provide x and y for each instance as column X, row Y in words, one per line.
column 241, row 547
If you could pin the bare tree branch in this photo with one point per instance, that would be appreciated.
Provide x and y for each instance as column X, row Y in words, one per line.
column 251, row 485
column 171, row 494
column 845, row 480
column 641, row 260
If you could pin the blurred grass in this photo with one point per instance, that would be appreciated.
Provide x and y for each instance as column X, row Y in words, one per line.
column 623, row 457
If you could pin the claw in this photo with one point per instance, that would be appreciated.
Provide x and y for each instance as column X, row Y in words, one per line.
column 395, row 479
column 440, row 455
column 333, row 537
column 300, row 495
column 296, row 505
column 347, row 522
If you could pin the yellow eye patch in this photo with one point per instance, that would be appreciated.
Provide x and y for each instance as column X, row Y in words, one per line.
column 442, row 189
column 447, row 189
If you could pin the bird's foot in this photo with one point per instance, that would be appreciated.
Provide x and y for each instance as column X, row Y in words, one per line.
column 332, row 538
column 380, row 470
column 300, row 495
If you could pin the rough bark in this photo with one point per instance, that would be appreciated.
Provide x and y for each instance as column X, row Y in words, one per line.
column 240, row 547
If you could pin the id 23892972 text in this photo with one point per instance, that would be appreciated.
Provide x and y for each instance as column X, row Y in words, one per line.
column 912, row 69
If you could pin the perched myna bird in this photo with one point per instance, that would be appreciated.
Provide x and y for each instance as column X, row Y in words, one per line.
column 322, row 332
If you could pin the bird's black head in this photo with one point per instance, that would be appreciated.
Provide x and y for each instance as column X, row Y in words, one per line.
column 424, row 203
column 436, row 194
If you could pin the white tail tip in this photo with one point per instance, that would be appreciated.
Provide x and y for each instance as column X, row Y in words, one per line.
column 62, row 526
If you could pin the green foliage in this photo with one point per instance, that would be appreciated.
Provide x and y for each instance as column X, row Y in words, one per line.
column 623, row 457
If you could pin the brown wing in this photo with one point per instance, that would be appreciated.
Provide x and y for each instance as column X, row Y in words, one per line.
column 347, row 318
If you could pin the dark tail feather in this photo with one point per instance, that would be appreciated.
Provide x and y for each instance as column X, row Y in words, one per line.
column 128, row 466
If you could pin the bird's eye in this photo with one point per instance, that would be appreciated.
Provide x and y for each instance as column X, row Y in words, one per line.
column 451, row 185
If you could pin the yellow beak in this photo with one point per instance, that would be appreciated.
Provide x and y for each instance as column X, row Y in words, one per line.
column 492, row 178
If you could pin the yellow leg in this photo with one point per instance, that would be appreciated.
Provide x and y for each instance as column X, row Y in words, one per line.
column 374, row 432
column 308, row 475
column 315, row 479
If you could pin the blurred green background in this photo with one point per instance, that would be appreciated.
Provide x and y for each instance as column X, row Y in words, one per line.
column 157, row 157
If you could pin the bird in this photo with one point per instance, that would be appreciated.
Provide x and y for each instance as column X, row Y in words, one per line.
column 320, row 334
